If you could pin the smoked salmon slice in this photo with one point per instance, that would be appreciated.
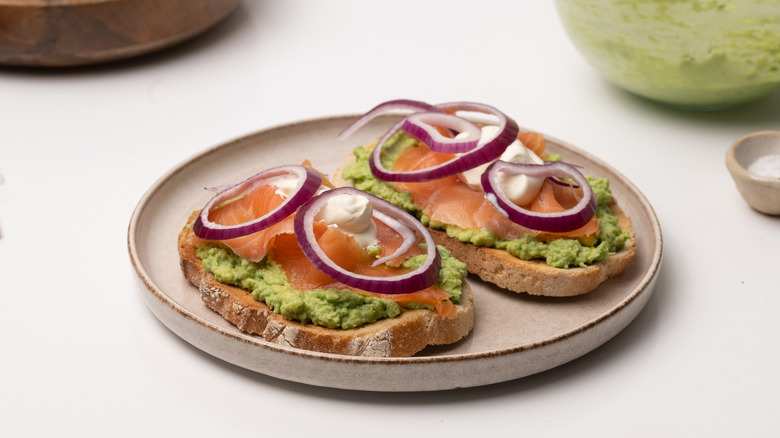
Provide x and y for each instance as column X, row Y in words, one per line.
column 533, row 141
column 253, row 247
column 450, row 201
column 555, row 197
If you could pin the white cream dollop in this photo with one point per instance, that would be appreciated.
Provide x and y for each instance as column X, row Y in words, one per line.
column 286, row 184
column 352, row 214
column 521, row 189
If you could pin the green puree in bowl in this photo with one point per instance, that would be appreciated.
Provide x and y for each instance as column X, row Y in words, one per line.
column 686, row 53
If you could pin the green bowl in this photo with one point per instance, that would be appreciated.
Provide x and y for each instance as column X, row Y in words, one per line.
column 686, row 53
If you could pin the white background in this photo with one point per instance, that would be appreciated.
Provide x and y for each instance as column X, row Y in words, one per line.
column 81, row 354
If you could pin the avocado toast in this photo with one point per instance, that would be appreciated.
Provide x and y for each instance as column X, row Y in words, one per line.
column 563, row 238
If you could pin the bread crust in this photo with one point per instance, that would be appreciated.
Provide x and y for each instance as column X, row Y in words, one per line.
column 402, row 336
column 534, row 277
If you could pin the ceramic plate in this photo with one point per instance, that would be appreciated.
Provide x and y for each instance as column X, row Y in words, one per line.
column 515, row 335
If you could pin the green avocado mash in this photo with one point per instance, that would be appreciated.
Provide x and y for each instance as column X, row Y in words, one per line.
column 332, row 308
column 561, row 253
column 691, row 53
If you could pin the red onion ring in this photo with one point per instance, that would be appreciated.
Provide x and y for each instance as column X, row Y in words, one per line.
column 407, row 234
column 309, row 182
column 390, row 106
column 481, row 154
column 424, row 276
column 554, row 222
column 556, row 180
column 423, row 127
column 562, row 183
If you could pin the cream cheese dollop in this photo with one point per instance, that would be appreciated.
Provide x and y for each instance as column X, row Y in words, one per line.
column 285, row 185
column 352, row 214
column 521, row 189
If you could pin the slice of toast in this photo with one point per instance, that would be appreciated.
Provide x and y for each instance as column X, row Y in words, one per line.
column 534, row 277
column 404, row 335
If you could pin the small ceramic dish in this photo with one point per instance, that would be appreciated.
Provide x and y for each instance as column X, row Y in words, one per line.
column 754, row 163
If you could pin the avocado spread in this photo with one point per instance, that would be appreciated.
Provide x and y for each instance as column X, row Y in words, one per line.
column 561, row 253
column 332, row 308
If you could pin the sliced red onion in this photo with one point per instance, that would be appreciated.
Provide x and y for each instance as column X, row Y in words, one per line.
column 392, row 106
column 556, row 180
column 553, row 222
column 406, row 233
column 423, row 127
column 218, row 189
column 424, row 276
column 481, row 154
column 309, row 182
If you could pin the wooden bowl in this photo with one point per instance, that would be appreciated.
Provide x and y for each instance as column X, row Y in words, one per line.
column 56, row 33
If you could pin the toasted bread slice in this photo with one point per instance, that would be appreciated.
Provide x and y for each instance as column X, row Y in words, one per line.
column 404, row 335
column 534, row 277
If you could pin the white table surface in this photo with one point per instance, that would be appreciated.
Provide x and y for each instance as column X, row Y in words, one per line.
column 82, row 354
